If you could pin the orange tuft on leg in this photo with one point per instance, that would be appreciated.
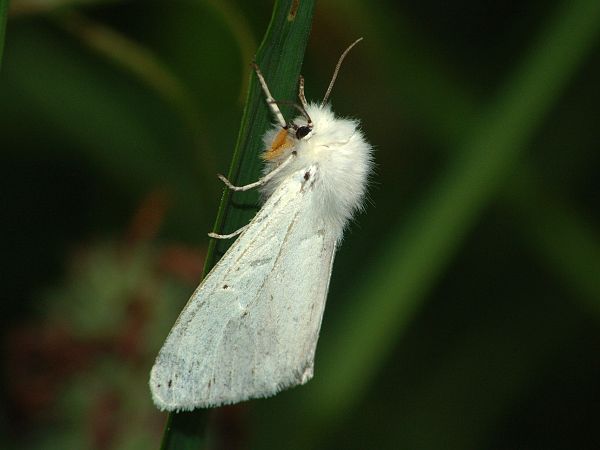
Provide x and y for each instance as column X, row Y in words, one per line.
column 281, row 142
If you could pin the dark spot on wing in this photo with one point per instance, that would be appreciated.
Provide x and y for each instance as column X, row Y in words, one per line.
column 225, row 286
column 260, row 262
column 307, row 176
column 170, row 383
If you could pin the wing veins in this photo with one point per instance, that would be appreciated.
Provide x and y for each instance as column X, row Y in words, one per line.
column 230, row 319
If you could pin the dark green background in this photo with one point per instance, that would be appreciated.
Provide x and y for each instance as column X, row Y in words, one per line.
column 464, row 303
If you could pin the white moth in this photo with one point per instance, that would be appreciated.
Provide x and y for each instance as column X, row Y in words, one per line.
column 251, row 328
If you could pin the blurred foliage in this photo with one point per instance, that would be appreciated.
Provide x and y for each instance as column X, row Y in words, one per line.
column 3, row 14
column 464, row 304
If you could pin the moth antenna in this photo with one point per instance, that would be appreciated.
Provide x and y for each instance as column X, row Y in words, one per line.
column 301, row 95
column 298, row 107
column 337, row 69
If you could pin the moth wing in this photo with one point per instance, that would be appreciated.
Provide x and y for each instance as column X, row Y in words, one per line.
column 251, row 328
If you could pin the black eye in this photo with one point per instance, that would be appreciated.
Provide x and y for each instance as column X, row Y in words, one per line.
column 302, row 132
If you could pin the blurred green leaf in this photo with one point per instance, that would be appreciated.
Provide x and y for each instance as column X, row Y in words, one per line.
column 30, row 7
column 239, row 27
column 426, row 86
column 142, row 63
column 280, row 59
column 3, row 14
column 449, row 110
column 100, row 116
column 563, row 239
column 471, row 387
column 383, row 304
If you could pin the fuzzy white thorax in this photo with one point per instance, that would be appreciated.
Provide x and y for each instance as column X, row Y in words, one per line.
column 343, row 160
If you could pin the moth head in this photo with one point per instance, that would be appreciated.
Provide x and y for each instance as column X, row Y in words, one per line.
column 303, row 132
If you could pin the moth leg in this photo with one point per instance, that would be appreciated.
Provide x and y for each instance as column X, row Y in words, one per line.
column 270, row 100
column 261, row 182
column 227, row 236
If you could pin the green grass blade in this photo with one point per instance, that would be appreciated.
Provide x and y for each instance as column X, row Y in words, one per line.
column 280, row 58
column 132, row 57
column 563, row 239
column 491, row 381
column 3, row 14
column 383, row 305
column 448, row 110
